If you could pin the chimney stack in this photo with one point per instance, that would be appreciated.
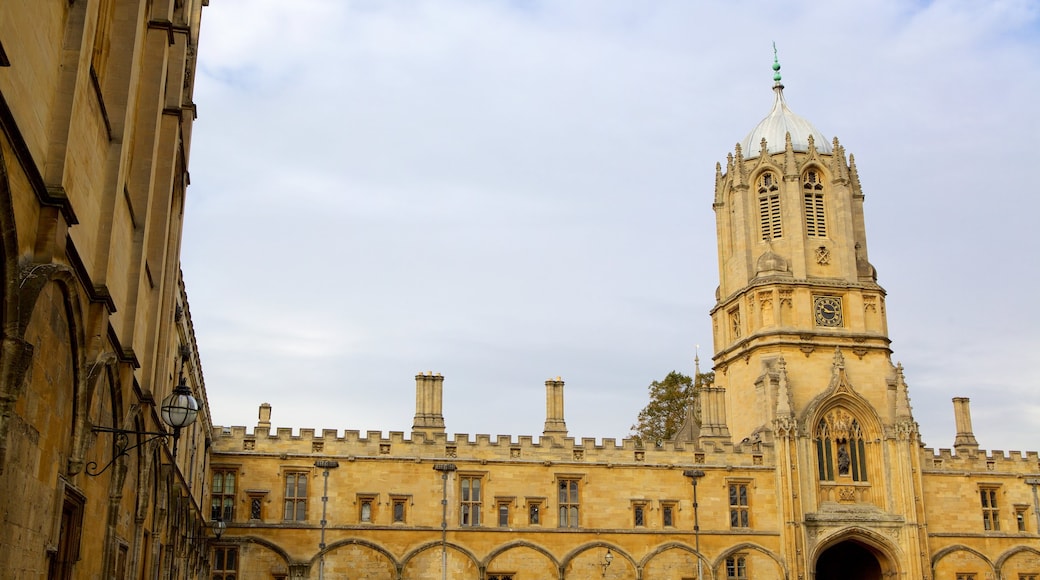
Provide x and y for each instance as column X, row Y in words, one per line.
column 265, row 417
column 429, row 389
column 554, row 423
column 965, row 441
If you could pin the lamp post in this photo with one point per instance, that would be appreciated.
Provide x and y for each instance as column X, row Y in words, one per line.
column 326, row 465
column 445, row 469
column 694, row 475
column 1036, row 504
column 178, row 410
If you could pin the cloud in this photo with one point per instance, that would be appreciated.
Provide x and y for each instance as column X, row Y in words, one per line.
column 508, row 191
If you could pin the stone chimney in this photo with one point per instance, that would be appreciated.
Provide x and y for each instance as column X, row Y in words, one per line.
column 429, row 390
column 554, row 423
column 965, row 441
column 265, row 417
column 713, row 414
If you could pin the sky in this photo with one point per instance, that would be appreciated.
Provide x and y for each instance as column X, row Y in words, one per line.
column 507, row 191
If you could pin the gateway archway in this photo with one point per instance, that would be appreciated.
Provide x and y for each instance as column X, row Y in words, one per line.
column 848, row 560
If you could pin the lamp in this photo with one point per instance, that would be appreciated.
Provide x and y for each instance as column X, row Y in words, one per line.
column 607, row 559
column 178, row 410
column 218, row 528
column 694, row 475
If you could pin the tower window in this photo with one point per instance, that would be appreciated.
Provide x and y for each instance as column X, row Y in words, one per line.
column 769, row 207
column 815, row 221
column 840, row 443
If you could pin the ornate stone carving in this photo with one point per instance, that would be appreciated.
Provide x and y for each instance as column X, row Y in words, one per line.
column 823, row 256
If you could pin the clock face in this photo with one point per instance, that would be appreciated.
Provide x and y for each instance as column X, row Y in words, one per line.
column 828, row 311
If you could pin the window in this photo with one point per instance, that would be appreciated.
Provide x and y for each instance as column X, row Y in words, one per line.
column 69, row 536
column 990, row 509
column 500, row 576
column 815, row 222
column 965, row 576
column 1020, row 517
column 295, row 496
column 1028, row 576
column 569, row 502
column 398, row 508
column 225, row 563
column 639, row 514
column 366, row 507
column 469, row 500
column 840, row 438
column 223, row 496
column 736, row 568
column 668, row 514
column 256, row 506
column 739, row 512
column 534, row 512
column 503, row 513
column 769, row 207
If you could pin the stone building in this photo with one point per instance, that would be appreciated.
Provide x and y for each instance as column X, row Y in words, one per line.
column 96, row 115
column 802, row 461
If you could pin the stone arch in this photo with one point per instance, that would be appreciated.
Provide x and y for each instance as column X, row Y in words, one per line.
column 840, row 393
column 762, row 556
column 8, row 255
column 269, row 556
column 571, row 561
column 459, row 570
column 520, row 545
column 664, row 556
column 881, row 548
column 957, row 557
column 40, row 404
column 349, row 558
column 1008, row 563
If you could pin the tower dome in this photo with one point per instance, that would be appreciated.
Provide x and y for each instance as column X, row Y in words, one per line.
column 778, row 123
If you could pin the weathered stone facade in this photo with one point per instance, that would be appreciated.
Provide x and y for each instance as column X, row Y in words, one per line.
column 805, row 457
column 95, row 131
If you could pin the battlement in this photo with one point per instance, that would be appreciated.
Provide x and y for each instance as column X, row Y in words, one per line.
column 485, row 447
column 949, row 460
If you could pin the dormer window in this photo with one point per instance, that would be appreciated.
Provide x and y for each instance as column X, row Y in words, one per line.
column 815, row 222
column 769, row 207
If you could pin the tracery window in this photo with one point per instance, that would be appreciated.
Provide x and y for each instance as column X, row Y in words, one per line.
column 569, row 501
column 840, row 443
column 815, row 218
column 736, row 568
column 222, row 505
column 470, row 500
column 990, row 508
column 769, row 207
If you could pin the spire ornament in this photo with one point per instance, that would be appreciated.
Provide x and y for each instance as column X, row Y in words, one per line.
column 776, row 68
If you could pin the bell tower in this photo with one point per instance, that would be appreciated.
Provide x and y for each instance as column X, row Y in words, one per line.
column 795, row 284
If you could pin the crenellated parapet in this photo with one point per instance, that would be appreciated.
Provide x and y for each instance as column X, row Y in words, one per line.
column 996, row 461
column 397, row 445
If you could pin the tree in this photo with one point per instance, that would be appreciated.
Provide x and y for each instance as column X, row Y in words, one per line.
column 662, row 417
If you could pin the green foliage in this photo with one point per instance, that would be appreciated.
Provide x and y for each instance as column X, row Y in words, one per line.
column 662, row 417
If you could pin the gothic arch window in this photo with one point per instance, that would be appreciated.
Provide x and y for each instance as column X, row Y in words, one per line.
column 815, row 217
column 840, row 448
column 769, row 206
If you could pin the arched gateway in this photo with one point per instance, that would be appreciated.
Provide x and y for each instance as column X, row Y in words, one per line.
column 851, row 560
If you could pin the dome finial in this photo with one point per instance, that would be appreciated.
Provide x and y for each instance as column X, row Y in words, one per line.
column 776, row 66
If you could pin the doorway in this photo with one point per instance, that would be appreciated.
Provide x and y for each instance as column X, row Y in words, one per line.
column 848, row 560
